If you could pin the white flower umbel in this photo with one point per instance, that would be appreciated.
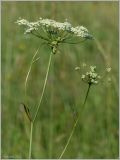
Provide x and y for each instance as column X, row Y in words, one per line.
column 108, row 69
column 91, row 76
column 49, row 24
column 54, row 33
column 80, row 31
column 52, row 24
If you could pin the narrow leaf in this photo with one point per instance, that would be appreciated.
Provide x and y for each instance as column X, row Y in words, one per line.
column 26, row 110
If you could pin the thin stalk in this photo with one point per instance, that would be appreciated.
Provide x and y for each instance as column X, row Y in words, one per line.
column 75, row 124
column 31, row 135
column 29, row 70
column 89, row 85
column 39, row 36
column 51, row 117
column 36, row 113
column 26, row 82
column 44, row 86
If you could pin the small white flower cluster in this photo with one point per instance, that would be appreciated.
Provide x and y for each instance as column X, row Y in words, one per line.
column 53, row 24
column 30, row 26
column 108, row 69
column 79, row 31
column 91, row 77
column 22, row 22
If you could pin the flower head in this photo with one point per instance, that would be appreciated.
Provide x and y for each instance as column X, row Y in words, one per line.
column 90, row 75
column 49, row 24
column 77, row 68
column 53, row 32
column 108, row 69
column 80, row 31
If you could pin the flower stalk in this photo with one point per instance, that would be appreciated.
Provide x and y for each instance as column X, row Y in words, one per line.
column 91, row 77
column 39, row 104
column 44, row 86
column 31, row 135
column 76, row 122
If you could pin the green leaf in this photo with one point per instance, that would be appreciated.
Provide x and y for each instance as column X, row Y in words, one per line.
column 26, row 110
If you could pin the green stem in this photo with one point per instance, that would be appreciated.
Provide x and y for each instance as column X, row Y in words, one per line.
column 36, row 113
column 51, row 117
column 75, row 124
column 89, row 85
column 44, row 86
column 31, row 133
column 26, row 81
column 39, row 36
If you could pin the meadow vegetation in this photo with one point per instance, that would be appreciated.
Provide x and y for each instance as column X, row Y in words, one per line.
column 98, row 132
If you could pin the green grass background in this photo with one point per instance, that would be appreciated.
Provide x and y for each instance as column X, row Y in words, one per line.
column 97, row 136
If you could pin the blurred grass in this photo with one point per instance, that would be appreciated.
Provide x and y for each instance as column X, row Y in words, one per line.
column 98, row 137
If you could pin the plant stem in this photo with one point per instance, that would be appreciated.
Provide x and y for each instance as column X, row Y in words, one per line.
column 51, row 122
column 28, row 73
column 31, row 133
column 44, row 86
column 36, row 113
column 75, row 124
column 89, row 85
column 39, row 36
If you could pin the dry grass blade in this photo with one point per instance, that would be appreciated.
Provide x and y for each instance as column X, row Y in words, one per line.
column 28, row 73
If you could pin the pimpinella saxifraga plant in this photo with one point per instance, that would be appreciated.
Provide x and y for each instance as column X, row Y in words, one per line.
column 53, row 34
column 90, row 76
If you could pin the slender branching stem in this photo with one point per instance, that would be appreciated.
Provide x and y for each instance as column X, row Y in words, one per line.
column 76, row 122
column 39, row 104
column 29, row 70
column 26, row 82
column 44, row 86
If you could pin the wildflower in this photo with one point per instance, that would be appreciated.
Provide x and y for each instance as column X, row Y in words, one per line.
column 84, row 65
column 93, row 68
column 77, row 68
column 108, row 69
column 83, row 76
column 49, row 24
column 52, row 24
column 91, row 76
column 54, row 32
column 22, row 22
column 80, row 31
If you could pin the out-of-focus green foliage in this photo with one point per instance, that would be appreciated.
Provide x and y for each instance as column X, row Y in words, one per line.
column 97, row 136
